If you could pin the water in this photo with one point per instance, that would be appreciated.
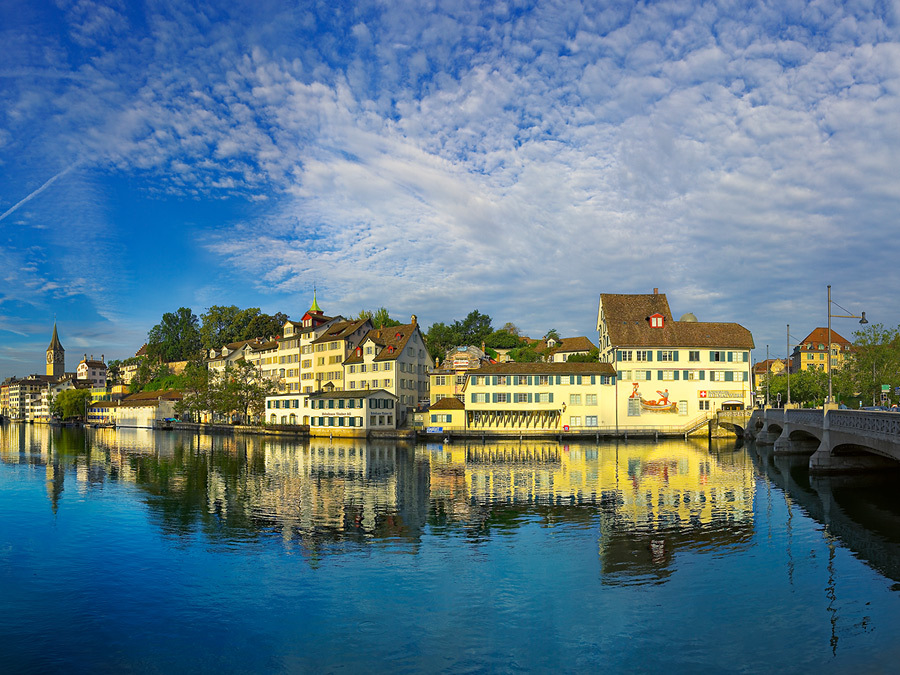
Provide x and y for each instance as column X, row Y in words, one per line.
column 137, row 552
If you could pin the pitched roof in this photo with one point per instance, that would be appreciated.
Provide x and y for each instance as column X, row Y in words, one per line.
column 166, row 395
column 565, row 368
column 627, row 322
column 820, row 336
column 448, row 403
column 360, row 393
column 572, row 344
column 391, row 341
column 340, row 330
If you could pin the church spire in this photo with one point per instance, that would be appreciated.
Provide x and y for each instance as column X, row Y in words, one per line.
column 314, row 308
column 54, row 341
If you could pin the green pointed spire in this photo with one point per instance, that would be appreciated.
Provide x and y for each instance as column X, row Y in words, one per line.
column 315, row 305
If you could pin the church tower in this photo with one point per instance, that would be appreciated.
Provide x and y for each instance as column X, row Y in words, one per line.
column 56, row 357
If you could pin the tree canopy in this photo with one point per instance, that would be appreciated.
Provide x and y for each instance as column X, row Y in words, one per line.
column 221, row 325
column 473, row 330
column 176, row 337
column 379, row 318
column 70, row 403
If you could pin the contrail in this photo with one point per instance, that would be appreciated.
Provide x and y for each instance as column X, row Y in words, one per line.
column 34, row 194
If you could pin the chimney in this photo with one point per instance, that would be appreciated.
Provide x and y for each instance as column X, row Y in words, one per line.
column 412, row 319
column 655, row 291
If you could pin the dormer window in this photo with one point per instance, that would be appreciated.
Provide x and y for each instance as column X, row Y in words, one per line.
column 657, row 321
column 397, row 336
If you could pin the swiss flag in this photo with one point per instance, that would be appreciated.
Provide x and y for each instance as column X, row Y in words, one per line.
column 702, row 393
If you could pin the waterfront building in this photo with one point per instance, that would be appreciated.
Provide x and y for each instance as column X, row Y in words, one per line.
column 25, row 396
column 448, row 379
column 331, row 348
column 395, row 359
column 507, row 398
column 669, row 369
column 812, row 351
column 145, row 409
column 127, row 371
column 352, row 413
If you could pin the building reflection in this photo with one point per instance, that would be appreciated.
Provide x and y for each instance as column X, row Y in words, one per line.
column 646, row 501
column 649, row 499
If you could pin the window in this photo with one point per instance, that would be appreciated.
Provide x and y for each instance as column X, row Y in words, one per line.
column 574, row 399
column 502, row 397
column 718, row 376
column 590, row 421
column 624, row 374
column 641, row 375
column 624, row 355
column 656, row 321
column 667, row 374
column 543, row 380
column 521, row 398
column 810, row 357
column 502, row 380
column 543, row 398
column 439, row 380
column 693, row 356
column 703, row 404
column 575, row 421
column 565, row 379
column 643, row 355
column 479, row 398
column 460, row 379
column 717, row 356
column 667, row 355
column 691, row 375
column 590, row 399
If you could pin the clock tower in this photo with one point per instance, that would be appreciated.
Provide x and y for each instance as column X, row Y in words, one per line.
column 56, row 357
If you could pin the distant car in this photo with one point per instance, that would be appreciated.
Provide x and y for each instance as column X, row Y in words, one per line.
column 876, row 408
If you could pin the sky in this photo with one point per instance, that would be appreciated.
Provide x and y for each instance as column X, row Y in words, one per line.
column 519, row 158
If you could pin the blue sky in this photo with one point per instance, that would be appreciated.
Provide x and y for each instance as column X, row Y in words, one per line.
column 434, row 157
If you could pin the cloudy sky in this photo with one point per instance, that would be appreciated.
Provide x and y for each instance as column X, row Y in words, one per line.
column 516, row 157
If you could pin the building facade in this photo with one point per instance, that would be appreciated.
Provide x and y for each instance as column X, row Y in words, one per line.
column 668, row 369
column 812, row 352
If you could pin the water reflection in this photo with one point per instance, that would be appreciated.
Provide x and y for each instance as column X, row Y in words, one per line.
column 646, row 501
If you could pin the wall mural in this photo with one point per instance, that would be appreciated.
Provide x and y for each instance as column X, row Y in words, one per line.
column 662, row 404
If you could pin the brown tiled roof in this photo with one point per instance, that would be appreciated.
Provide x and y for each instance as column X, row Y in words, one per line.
column 820, row 336
column 93, row 364
column 594, row 368
column 386, row 338
column 340, row 330
column 448, row 403
column 628, row 325
column 572, row 344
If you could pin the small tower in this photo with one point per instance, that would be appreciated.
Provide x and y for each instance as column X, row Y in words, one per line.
column 314, row 308
column 56, row 357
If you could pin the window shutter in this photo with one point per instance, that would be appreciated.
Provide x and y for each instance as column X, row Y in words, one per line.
column 529, row 398
column 551, row 397
column 433, row 419
column 746, row 357
column 676, row 374
column 649, row 355
column 658, row 374
column 495, row 397
column 730, row 356
column 579, row 379
column 649, row 375
column 473, row 398
column 729, row 376
column 557, row 379
column 659, row 355
column 593, row 379
column 712, row 356
column 702, row 374
column 676, row 354
column 618, row 355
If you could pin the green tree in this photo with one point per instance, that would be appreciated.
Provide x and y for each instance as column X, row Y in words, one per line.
column 502, row 339
column 552, row 334
column 592, row 356
column 176, row 337
column 379, row 318
column 71, row 403
column 525, row 354
column 222, row 325
column 875, row 361
column 473, row 330
column 240, row 389
column 196, row 390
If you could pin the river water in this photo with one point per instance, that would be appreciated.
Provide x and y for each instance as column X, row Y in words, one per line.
column 159, row 552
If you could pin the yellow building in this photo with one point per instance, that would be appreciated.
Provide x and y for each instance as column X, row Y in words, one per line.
column 449, row 378
column 538, row 398
column 812, row 352
column 671, row 374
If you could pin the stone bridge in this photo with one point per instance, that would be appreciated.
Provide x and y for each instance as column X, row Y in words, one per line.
column 837, row 440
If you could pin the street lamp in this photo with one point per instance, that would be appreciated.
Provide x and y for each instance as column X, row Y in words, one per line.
column 848, row 315
column 790, row 361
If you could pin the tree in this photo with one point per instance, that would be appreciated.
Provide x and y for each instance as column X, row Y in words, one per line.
column 473, row 330
column 71, row 403
column 175, row 338
column 503, row 339
column 511, row 328
column 552, row 334
column 196, row 389
column 439, row 339
column 240, row 389
column 525, row 354
column 222, row 325
column 592, row 356
column 379, row 318
column 875, row 361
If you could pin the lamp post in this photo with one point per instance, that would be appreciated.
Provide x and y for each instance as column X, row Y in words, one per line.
column 848, row 315
column 790, row 362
